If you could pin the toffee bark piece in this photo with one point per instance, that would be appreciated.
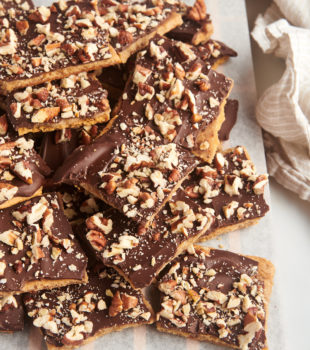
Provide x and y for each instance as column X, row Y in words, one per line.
column 175, row 92
column 75, row 315
column 64, row 142
column 38, row 249
column 22, row 171
column 130, row 169
column 140, row 254
column 217, row 296
column 48, row 43
column 231, row 113
column 230, row 189
column 215, row 52
column 67, row 103
column 11, row 314
column 132, row 23
column 196, row 27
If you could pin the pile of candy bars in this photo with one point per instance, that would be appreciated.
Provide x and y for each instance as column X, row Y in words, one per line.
column 112, row 169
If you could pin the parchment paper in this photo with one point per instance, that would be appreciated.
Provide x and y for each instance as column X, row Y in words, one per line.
column 231, row 26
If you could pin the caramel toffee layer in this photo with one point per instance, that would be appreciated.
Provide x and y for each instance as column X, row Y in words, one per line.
column 69, row 315
column 139, row 254
column 231, row 113
column 37, row 243
column 22, row 170
column 174, row 91
column 229, row 188
column 130, row 169
column 11, row 314
column 215, row 293
column 64, row 142
column 195, row 21
column 77, row 97
column 49, row 38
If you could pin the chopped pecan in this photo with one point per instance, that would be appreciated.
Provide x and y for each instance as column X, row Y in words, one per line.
column 129, row 301
column 116, row 305
column 96, row 239
column 45, row 114
column 3, row 125
column 22, row 27
column 125, row 37
column 198, row 11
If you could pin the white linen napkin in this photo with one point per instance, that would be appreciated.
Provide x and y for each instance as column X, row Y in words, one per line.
column 284, row 108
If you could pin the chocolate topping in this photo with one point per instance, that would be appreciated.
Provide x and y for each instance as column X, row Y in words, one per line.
column 11, row 314
column 231, row 112
column 139, row 254
column 174, row 91
column 219, row 294
column 106, row 303
column 36, row 243
column 77, row 97
column 46, row 39
column 229, row 188
column 22, row 170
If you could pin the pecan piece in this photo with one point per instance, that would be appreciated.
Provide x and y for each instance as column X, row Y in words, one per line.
column 116, row 305
column 22, row 27
column 125, row 38
column 129, row 301
column 3, row 125
column 198, row 11
column 96, row 239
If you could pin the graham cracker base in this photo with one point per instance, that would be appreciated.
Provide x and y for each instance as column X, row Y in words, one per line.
column 265, row 272
column 102, row 332
column 64, row 124
column 16, row 200
column 8, row 86
column 33, row 286
column 174, row 20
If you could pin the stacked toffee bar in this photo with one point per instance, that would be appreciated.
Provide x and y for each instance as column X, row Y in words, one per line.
column 112, row 167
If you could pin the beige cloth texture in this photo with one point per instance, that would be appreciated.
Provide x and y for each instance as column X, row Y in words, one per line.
column 283, row 110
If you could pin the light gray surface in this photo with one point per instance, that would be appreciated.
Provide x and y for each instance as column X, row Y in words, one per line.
column 230, row 22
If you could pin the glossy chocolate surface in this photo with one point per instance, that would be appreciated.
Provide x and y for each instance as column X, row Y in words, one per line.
column 37, row 243
column 214, row 286
column 92, row 303
column 206, row 187
column 149, row 250
column 11, row 314
column 231, row 113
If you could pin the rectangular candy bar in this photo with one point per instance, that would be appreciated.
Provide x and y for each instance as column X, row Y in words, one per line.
column 139, row 254
column 75, row 315
column 131, row 169
column 133, row 23
column 67, row 103
column 67, row 38
column 49, row 43
column 22, row 171
column 175, row 92
column 11, row 314
column 38, row 249
column 196, row 27
column 230, row 189
column 217, row 296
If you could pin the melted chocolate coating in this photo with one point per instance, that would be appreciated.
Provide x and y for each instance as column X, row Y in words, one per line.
column 234, row 163
column 160, row 242
column 61, row 299
column 231, row 113
column 20, row 268
column 228, row 268
column 11, row 317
